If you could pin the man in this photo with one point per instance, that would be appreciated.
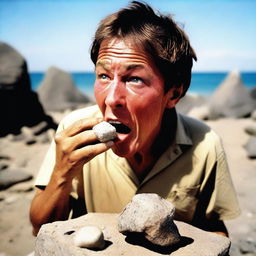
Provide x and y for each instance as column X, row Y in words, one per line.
column 143, row 67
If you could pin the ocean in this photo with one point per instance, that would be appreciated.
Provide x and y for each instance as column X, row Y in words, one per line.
column 203, row 83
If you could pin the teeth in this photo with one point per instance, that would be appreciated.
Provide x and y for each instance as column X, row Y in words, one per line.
column 114, row 122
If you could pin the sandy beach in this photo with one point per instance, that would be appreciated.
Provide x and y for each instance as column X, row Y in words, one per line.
column 16, row 237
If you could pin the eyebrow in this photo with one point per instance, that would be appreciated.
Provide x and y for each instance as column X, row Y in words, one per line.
column 102, row 64
column 134, row 66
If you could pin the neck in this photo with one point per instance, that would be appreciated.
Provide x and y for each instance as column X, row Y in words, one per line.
column 142, row 163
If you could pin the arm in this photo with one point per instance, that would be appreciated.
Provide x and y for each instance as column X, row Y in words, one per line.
column 75, row 146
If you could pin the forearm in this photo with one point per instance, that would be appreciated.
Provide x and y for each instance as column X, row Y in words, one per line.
column 50, row 204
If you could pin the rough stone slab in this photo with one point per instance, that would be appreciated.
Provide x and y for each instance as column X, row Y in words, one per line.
column 57, row 239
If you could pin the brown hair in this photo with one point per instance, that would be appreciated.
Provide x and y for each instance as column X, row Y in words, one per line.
column 158, row 35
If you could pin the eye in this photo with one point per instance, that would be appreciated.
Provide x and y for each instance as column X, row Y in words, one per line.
column 135, row 80
column 103, row 77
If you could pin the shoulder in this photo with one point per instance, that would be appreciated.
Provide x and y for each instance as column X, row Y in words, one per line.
column 204, row 139
column 87, row 112
column 199, row 130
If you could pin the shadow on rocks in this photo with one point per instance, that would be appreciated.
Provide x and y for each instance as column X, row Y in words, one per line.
column 137, row 238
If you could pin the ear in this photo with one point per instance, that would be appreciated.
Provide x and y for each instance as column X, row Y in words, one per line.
column 174, row 95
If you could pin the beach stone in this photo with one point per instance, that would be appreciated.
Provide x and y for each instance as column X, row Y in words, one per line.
column 251, row 130
column 253, row 92
column 200, row 112
column 10, row 177
column 253, row 115
column 231, row 99
column 57, row 239
column 28, row 135
column 3, row 166
column 22, row 187
column 40, row 128
column 89, row 237
column 250, row 147
column 57, row 91
column 247, row 246
column 19, row 105
column 190, row 101
column 151, row 215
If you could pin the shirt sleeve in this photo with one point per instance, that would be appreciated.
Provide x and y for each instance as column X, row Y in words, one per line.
column 46, row 169
column 223, row 201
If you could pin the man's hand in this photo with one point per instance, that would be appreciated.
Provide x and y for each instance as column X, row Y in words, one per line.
column 75, row 146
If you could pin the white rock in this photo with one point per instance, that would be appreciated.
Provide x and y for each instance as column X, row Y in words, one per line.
column 89, row 237
column 104, row 131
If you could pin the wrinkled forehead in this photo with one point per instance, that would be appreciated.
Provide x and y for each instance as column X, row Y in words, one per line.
column 123, row 49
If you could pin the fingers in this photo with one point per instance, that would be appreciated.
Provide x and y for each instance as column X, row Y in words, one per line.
column 88, row 152
column 81, row 125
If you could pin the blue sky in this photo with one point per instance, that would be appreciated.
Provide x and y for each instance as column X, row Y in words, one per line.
column 46, row 33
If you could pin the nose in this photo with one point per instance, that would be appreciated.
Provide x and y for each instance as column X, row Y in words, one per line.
column 116, row 95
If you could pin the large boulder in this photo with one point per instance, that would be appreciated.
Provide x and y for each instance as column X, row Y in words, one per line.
column 57, row 92
column 19, row 105
column 231, row 99
column 190, row 101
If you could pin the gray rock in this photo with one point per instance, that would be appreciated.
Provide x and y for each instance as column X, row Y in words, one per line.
column 22, row 187
column 247, row 246
column 12, row 69
column 3, row 165
column 231, row 99
column 189, row 101
column 251, row 130
column 40, row 128
column 200, row 112
column 253, row 115
column 57, row 239
column 57, row 92
column 253, row 92
column 151, row 215
column 250, row 147
column 19, row 105
column 11, row 177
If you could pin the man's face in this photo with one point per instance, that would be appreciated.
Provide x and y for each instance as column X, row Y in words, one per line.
column 130, row 93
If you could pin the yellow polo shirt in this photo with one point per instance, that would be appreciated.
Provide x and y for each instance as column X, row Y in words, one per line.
column 192, row 173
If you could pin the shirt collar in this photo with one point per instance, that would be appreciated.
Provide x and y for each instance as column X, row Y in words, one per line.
column 183, row 136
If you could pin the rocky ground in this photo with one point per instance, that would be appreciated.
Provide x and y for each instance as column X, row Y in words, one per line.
column 15, row 154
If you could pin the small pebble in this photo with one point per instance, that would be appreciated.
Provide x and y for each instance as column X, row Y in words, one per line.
column 90, row 237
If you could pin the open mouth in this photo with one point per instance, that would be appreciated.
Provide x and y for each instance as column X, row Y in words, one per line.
column 120, row 127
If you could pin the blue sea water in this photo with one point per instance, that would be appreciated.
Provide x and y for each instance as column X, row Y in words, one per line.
column 201, row 83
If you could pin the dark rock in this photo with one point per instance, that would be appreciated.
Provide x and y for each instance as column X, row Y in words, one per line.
column 57, row 92
column 253, row 92
column 3, row 166
column 11, row 177
column 251, row 147
column 152, row 216
column 231, row 99
column 19, row 105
